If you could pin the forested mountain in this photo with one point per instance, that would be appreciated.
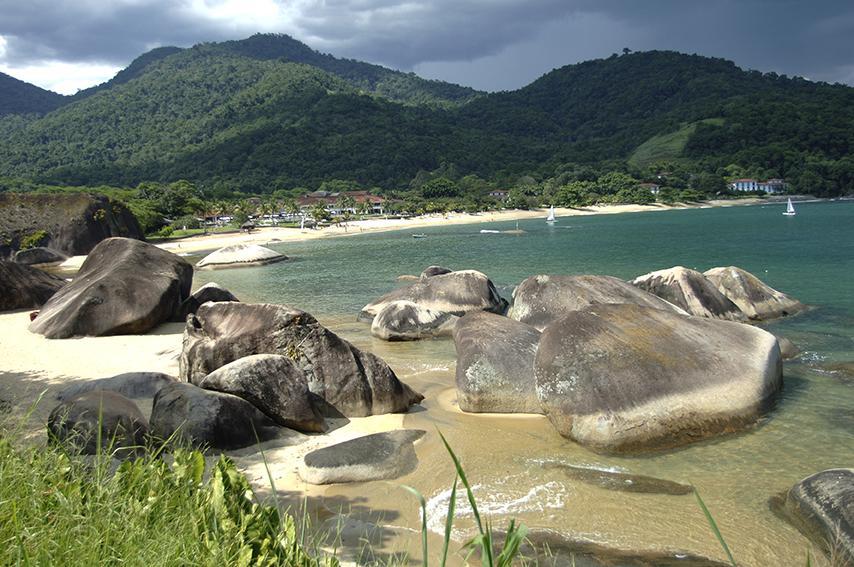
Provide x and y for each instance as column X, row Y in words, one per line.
column 18, row 97
column 244, row 115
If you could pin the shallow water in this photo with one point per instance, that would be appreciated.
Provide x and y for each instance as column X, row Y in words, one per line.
column 515, row 461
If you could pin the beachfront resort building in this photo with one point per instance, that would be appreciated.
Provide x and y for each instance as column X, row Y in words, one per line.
column 499, row 194
column 771, row 186
column 332, row 202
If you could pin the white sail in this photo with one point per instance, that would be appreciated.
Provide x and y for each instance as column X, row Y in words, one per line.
column 790, row 209
column 551, row 217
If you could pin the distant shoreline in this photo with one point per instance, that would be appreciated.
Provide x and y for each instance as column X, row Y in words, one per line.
column 199, row 244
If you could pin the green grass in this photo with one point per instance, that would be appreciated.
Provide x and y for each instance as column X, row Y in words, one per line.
column 57, row 509
column 667, row 147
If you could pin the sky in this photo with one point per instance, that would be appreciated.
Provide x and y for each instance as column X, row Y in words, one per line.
column 66, row 45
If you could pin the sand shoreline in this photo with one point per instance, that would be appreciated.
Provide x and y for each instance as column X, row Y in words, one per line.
column 271, row 235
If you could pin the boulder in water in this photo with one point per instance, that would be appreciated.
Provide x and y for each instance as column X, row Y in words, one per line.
column 822, row 507
column 373, row 457
column 690, row 290
column 354, row 383
column 39, row 255
column 207, row 418
column 495, row 364
column 24, row 287
column 125, row 287
column 407, row 321
column 624, row 378
column 81, row 421
column 211, row 291
column 240, row 255
column 274, row 385
column 755, row 298
column 456, row 293
column 540, row 300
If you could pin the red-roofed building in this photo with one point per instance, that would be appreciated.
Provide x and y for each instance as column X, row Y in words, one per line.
column 331, row 201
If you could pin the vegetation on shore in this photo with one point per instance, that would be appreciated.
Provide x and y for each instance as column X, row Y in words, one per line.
column 268, row 114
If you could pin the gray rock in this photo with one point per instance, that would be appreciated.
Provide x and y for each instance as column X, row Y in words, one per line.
column 209, row 292
column 240, row 255
column 690, row 290
column 76, row 422
column 39, row 255
column 755, row 298
column 431, row 271
column 627, row 378
column 623, row 482
column 273, row 384
column 23, row 287
column 456, row 293
column 541, row 300
column 372, row 457
column 788, row 350
column 822, row 507
column 407, row 321
column 205, row 418
column 124, row 287
column 129, row 384
column 495, row 364
column 354, row 383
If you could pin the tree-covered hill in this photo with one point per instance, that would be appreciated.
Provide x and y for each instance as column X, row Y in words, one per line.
column 243, row 115
column 18, row 97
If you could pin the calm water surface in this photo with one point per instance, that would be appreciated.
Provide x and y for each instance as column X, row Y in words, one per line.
column 512, row 458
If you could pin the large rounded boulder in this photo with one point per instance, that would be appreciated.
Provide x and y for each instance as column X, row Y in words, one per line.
column 204, row 418
column 540, row 300
column 273, row 384
column 622, row 378
column 690, row 290
column 124, row 287
column 24, row 287
column 407, row 321
column 456, row 293
column 495, row 364
column 99, row 421
column 240, row 255
column 754, row 297
column 822, row 507
column 352, row 383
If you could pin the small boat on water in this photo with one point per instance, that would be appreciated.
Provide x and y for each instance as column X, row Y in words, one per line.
column 487, row 231
column 419, row 236
column 790, row 209
column 551, row 218
column 517, row 230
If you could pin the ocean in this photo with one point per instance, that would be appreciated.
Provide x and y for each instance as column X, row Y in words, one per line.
column 518, row 463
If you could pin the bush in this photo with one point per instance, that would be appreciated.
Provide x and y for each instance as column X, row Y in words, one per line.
column 34, row 239
column 188, row 221
column 165, row 232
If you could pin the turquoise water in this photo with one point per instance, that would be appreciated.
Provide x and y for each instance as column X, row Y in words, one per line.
column 810, row 256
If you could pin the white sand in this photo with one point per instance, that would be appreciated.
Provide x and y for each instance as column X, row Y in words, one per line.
column 31, row 365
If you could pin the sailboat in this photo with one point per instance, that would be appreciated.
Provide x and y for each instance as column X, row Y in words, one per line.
column 790, row 209
column 551, row 218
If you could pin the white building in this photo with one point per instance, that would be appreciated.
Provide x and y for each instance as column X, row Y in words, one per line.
column 744, row 185
column 772, row 186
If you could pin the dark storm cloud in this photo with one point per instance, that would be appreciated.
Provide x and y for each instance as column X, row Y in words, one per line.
column 486, row 43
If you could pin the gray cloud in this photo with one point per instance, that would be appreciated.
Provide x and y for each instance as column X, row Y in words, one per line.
column 492, row 44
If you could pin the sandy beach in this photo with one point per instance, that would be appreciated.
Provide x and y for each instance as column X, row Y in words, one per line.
column 266, row 235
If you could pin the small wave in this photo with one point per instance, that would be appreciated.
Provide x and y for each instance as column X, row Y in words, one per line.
column 811, row 356
column 416, row 369
column 494, row 500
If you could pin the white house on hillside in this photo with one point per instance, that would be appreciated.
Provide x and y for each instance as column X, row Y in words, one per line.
column 744, row 185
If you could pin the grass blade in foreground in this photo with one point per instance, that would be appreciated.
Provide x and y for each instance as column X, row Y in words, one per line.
column 714, row 527
column 423, row 504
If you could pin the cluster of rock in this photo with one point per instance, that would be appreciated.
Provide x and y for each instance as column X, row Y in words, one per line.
column 431, row 306
column 23, row 287
column 621, row 369
column 68, row 224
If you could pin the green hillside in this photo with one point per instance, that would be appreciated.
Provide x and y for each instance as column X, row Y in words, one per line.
column 243, row 116
column 18, row 97
column 667, row 147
